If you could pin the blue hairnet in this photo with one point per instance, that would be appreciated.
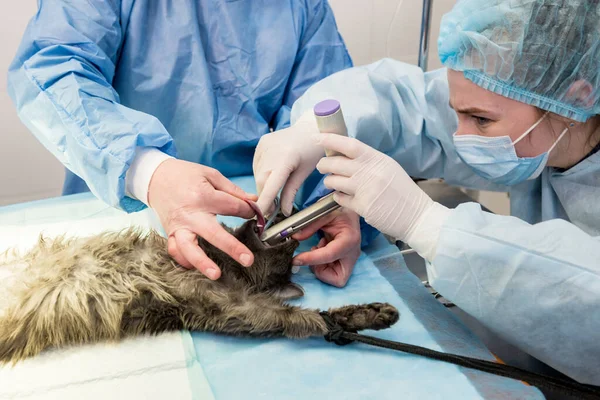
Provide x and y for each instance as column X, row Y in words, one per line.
column 541, row 52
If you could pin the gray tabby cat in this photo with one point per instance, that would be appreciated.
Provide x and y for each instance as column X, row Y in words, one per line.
column 121, row 284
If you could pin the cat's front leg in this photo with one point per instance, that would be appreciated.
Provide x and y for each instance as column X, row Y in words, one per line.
column 262, row 315
column 257, row 315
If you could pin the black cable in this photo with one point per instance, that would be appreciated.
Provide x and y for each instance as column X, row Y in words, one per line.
column 568, row 387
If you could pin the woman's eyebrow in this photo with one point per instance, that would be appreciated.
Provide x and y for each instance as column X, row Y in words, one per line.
column 469, row 110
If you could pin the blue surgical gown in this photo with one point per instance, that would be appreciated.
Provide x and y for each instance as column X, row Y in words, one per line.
column 533, row 277
column 200, row 79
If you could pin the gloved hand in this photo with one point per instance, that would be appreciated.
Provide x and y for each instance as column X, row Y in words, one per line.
column 284, row 159
column 377, row 188
column 187, row 196
column 332, row 260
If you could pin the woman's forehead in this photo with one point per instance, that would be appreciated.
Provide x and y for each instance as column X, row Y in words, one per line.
column 465, row 95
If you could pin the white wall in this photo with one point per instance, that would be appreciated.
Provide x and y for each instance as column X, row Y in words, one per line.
column 27, row 170
column 372, row 29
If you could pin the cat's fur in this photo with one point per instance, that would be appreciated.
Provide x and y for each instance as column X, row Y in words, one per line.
column 120, row 284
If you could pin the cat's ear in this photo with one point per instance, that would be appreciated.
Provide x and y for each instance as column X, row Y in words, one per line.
column 289, row 291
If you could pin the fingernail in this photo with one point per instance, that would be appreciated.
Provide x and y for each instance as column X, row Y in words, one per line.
column 317, row 138
column 318, row 167
column 212, row 273
column 296, row 262
column 287, row 212
column 246, row 260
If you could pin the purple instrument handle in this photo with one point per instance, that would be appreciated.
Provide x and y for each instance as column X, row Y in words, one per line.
column 326, row 107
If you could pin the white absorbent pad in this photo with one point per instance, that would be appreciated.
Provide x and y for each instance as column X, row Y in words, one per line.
column 141, row 368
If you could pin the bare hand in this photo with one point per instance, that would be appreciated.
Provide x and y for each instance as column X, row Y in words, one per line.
column 187, row 197
column 334, row 257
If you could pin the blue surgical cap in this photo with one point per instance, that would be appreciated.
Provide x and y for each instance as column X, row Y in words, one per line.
column 541, row 52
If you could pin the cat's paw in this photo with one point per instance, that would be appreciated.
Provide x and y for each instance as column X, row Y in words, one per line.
column 366, row 316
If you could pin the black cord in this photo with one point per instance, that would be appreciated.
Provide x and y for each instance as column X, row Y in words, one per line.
column 568, row 387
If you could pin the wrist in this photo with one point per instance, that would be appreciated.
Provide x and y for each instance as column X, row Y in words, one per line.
column 425, row 233
column 161, row 181
column 141, row 171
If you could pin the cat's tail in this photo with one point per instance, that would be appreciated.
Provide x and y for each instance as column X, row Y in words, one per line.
column 44, row 317
column 15, row 343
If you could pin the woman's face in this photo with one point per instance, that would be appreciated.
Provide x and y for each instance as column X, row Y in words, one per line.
column 483, row 113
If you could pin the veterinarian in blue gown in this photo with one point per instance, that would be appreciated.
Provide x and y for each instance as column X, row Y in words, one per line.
column 523, row 78
column 115, row 88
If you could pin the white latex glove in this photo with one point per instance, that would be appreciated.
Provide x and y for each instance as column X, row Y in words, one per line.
column 377, row 188
column 284, row 159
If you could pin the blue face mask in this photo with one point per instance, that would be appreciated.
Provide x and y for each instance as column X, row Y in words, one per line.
column 495, row 158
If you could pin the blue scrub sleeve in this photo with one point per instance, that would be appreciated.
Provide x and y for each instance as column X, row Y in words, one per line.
column 321, row 52
column 537, row 286
column 60, row 82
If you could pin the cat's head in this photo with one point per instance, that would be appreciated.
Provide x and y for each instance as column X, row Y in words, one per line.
column 272, row 267
column 271, row 271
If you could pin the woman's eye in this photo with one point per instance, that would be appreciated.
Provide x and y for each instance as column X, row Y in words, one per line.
column 481, row 120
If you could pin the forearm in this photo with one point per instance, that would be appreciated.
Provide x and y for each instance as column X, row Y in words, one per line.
column 536, row 285
column 60, row 82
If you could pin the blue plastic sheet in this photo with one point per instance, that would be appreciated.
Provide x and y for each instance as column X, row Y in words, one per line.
column 286, row 369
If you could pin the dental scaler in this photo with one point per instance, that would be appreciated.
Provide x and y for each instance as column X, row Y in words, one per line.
column 330, row 119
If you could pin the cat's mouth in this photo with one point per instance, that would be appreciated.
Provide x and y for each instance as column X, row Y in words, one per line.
column 288, row 242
